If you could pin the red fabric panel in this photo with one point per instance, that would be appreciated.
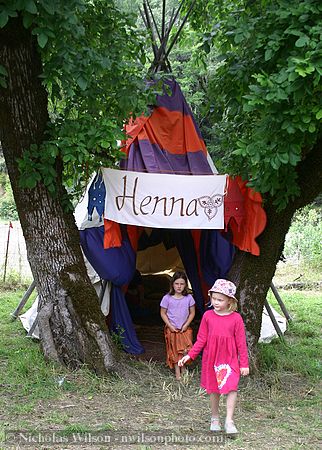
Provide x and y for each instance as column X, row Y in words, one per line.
column 173, row 132
column 132, row 129
column 234, row 203
column 254, row 221
column 133, row 233
column 112, row 234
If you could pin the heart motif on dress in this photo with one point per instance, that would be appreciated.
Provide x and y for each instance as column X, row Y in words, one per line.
column 222, row 373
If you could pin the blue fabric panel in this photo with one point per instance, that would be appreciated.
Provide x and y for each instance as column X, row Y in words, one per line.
column 146, row 157
column 96, row 197
column 187, row 252
column 114, row 264
column 216, row 255
column 122, row 323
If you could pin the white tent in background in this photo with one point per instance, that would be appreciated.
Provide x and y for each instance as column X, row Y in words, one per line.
column 268, row 331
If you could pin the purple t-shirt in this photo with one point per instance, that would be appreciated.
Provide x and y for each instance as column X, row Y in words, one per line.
column 177, row 308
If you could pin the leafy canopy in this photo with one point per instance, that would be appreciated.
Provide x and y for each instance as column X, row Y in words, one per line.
column 94, row 76
column 264, row 61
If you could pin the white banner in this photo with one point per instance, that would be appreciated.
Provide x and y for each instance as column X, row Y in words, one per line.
column 163, row 200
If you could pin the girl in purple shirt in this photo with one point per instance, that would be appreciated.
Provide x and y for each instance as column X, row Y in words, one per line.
column 177, row 311
column 222, row 338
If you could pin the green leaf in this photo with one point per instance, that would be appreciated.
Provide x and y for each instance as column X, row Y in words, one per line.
column 283, row 157
column 3, row 71
column 312, row 128
column 294, row 159
column 275, row 163
column 268, row 54
column 302, row 41
column 49, row 6
column 27, row 20
column 4, row 17
column 82, row 83
column 3, row 82
column 282, row 76
column 292, row 76
column 67, row 157
column 30, row 182
column 42, row 40
column 31, row 7
column 318, row 115
column 301, row 71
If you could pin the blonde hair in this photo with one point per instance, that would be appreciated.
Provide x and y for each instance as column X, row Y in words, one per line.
column 233, row 304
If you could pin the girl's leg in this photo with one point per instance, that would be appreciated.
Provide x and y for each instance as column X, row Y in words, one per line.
column 230, row 405
column 214, row 404
column 177, row 371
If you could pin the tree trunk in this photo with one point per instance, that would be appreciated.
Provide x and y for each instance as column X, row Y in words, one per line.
column 253, row 274
column 72, row 329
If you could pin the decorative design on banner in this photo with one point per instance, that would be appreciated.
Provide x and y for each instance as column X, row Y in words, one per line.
column 211, row 204
column 96, row 197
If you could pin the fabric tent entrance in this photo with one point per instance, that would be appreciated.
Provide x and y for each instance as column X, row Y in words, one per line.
column 157, row 252
column 167, row 141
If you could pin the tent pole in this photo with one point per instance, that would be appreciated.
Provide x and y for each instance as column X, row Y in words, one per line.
column 280, row 302
column 161, row 50
column 143, row 18
column 274, row 322
column 24, row 300
column 163, row 41
column 33, row 326
column 150, row 28
column 174, row 40
column 154, row 21
column 174, row 15
column 163, row 18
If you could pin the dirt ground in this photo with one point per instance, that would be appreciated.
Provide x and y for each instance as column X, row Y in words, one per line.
column 150, row 408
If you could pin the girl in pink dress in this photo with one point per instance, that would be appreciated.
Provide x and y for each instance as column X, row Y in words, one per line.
column 222, row 338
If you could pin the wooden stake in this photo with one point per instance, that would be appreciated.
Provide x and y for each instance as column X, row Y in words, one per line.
column 24, row 299
column 6, row 257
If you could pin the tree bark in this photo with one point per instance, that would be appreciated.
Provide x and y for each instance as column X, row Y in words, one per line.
column 72, row 329
column 253, row 274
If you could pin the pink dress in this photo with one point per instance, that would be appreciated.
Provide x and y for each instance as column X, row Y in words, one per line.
column 223, row 341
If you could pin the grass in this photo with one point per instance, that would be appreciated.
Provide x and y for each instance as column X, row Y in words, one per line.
column 277, row 408
column 297, row 272
column 302, row 349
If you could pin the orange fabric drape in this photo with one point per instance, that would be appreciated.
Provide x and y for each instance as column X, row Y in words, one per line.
column 177, row 345
column 112, row 234
column 244, row 236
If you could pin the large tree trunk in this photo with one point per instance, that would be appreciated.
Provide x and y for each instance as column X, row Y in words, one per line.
column 72, row 329
column 253, row 274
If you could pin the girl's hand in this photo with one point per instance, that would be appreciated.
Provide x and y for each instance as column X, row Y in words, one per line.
column 184, row 328
column 183, row 360
column 244, row 371
column 173, row 329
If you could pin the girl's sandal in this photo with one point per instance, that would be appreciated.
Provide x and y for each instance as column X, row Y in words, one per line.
column 215, row 424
